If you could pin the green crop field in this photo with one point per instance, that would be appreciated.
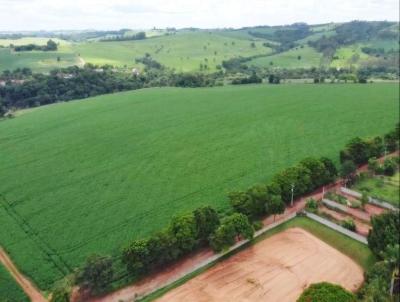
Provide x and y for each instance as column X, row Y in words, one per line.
column 89, row 176
column 10, row 291
column 183, row 51
column 309, row 57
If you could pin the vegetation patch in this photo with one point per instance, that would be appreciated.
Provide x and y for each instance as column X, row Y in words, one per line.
column 10, row 291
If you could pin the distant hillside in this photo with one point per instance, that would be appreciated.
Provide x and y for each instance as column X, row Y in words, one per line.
column 357, row 44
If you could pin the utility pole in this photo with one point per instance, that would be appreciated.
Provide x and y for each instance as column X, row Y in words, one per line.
column 292, row 189
column 384, row 147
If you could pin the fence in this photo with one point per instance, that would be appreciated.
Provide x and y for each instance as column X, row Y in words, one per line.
column 337, row 228
column 375, row 201
column 334, row 205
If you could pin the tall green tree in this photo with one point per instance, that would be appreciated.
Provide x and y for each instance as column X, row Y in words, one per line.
column 184, row 229
column 96, row 275
column 207, row 220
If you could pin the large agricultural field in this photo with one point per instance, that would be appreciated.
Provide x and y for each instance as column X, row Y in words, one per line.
column 275, row 269
column 9, row 289
column 89, row 176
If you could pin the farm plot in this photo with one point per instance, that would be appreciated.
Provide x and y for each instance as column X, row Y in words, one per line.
column 90, row 176
column 9, row 289
column 381, row 187
column 276, row 269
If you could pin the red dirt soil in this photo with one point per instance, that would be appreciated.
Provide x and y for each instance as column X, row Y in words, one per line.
column 31, row 291
column 361, row 228
column 181, row 267
column 276, row 269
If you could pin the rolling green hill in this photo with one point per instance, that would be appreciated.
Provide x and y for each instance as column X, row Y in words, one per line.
column 89, row 176
column 299, row 57
column 183, row 51
column 339, row 44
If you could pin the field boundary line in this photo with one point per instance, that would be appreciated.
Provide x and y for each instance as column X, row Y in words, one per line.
column 48, row 252
column 337, row 227
column 27, row 286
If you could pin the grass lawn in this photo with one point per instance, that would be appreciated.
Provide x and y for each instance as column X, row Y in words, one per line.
column 387, row 189
column 360, row 253
column 89, row 176
column 10, row 291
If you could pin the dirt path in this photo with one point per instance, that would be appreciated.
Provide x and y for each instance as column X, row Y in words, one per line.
column 32, row 292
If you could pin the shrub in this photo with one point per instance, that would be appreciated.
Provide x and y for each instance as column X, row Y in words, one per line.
column 389, row 167
column 326, row 292
column 312, row 205
column 257, row 225
column 349, row 224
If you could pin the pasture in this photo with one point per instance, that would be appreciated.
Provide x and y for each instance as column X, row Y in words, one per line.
column 39, row 61
column 275, row 269
column 89, row 176
column 298, row 57
column 183, row 51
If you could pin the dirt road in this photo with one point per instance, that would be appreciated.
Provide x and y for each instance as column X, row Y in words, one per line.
column 32, row 292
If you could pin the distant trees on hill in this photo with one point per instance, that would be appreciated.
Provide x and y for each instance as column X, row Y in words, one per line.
column 138, row 36
column 76, row 83
column 50, row 46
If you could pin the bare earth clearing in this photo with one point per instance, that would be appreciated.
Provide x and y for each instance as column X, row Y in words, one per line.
column 276, row 269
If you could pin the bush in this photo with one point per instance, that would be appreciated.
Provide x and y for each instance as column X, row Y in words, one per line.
column 312, row 205
column 389, row 167
column 326, row 292
column 257, row 225
column 349, row 224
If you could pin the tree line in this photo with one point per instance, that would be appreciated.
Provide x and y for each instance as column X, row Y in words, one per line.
column 50, row 46
column 138, row 36
column 77, row 83
column 206, row 227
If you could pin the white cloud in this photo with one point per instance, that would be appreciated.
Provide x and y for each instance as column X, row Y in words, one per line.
column 114, row 14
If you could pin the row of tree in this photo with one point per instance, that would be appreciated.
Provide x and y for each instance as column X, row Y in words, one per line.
column 124, row 37
column 183, row 235
column 50, row 46
column 359, row 150
column 32, row 90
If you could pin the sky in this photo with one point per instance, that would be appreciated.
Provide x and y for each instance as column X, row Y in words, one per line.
column 143, row 14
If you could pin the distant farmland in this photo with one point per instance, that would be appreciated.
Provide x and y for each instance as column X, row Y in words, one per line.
column 89, row 176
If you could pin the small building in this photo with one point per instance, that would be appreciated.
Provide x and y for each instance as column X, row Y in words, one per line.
column 135, row 71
